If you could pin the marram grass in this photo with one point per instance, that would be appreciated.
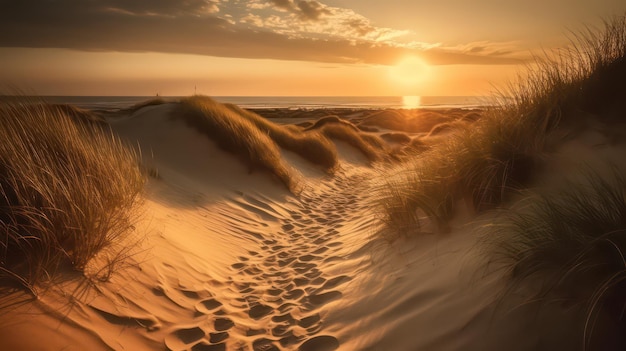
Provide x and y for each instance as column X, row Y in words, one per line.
column 485, row 163
column 236, row 134
column 568, row 245
column 67, row 189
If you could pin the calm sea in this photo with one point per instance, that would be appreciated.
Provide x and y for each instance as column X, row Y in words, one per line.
column 292, row 102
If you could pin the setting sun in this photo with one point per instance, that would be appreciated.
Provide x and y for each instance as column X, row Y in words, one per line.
column 411, row 101
column 409, row 71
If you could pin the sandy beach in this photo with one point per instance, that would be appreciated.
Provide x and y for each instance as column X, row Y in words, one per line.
column 225, row 257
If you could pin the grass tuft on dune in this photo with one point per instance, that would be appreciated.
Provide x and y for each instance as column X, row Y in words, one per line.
column 571, row 243
column 483, row 164
column 310, row 146
column 237, row 135
column 368, row 145
column 67, row 187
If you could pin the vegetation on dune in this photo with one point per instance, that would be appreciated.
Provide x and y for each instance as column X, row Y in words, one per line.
column 410, row 121
column 573, row 243
column 330, row 120
column 369, row 145
column 397, row 137
column 235, row 134
column 147, row 103
column 66, row 190
column 310, row 146
column 78, row 115
column 498, row 154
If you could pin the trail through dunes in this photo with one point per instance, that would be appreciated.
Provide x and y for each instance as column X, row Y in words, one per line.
column 228, row 259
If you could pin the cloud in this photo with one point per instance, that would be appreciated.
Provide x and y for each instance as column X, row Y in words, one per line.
column 164, row 7
column 312, row 10
column 283, row 4
column 193, row 27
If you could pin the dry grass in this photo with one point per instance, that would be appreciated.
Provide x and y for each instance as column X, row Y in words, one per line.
column 397, row 137
column 498, row 154
column 409, row 121
column 139, row 106
column 572, row 244
column 369, row 145
column 311, row 146
column 236, row 135
column 66, row 190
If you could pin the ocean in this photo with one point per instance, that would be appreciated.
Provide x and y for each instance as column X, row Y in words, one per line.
column 287, row 102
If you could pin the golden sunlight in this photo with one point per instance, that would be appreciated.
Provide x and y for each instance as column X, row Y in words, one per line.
column 409, row 71
column 411, row 101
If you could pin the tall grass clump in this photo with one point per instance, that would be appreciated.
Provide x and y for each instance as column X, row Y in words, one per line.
column 311, row 146
column 138, row 106
column 571, row 246
column 66, row 191
column 482, row 165
column 235, row 134
column 370, row 146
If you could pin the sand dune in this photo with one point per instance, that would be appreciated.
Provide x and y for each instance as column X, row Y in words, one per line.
column 231, row 260
column 500, row 229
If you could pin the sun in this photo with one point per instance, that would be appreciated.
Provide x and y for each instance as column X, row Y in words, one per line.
column 410, row 71
column 411, row 101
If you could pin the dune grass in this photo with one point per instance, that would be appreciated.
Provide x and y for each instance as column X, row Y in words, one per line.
column 138, row 106
column 412, row 121
column 371, row 146
column 396, row 137
column 572, row 244
column 66, row 190
column 497, row 155
column 237, row 135
column 310, row 146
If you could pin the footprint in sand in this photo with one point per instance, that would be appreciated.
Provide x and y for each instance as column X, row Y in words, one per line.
column 223, row 324
column 206, row 306
column 181, row 339
column 309, row 321
column 202, row 346
column 215, row 338
column 320, row 343
column 324, row 298
column 293, row 294
column 259, row 311
column 264, row 345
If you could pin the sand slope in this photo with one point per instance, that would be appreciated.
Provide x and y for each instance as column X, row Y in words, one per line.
column 225, row 259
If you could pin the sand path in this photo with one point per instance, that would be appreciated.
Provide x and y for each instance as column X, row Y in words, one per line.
column 278, row 292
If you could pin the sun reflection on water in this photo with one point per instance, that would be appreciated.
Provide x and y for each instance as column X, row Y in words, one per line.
column 411, row 101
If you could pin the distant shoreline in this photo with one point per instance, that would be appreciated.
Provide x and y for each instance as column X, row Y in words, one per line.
column 282, row 102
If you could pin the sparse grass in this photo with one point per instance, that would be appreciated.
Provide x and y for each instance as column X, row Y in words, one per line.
column 572, row 243
column 397, row 137
column 498, row 154
column 413, row 121
column 368, row 146
column 66, row 190
column 236, row 135
column 311, row 146
column 139, row 106
column 447, row 127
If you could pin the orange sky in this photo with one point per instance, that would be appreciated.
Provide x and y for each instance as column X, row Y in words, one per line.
column 280, row 47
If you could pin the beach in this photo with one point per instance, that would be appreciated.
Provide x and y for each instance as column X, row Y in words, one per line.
column 224, row 256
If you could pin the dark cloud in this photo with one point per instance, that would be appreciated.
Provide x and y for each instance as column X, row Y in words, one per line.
column 85, row 25
column 477, row 49
column 312, row 10
column 361, row 26
column 163, row 7
column 283, row 4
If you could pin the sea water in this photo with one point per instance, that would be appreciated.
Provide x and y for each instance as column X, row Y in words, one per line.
column 287, row 102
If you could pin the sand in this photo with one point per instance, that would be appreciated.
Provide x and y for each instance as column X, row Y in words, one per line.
column 225, row 259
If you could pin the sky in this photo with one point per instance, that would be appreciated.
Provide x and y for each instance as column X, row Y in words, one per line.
column 281, row 47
